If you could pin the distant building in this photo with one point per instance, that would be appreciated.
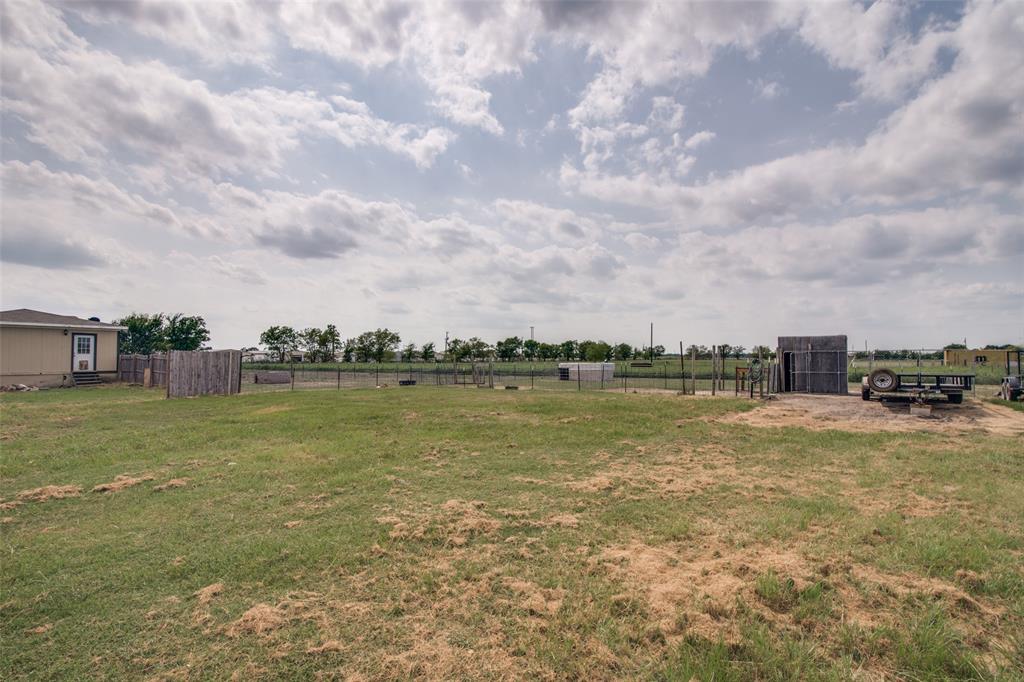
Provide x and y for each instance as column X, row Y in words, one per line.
column 44, row 349
column 960, row 357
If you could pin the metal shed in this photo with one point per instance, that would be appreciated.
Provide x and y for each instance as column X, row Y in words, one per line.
column 812, row 364
column 586, row 371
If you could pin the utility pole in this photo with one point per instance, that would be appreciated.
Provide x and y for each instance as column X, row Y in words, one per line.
column 531, row 332
column 652, row 343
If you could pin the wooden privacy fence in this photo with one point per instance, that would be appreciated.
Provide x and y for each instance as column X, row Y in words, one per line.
column 204, row 372
column 148, row 370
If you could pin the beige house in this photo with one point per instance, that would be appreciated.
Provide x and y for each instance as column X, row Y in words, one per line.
column 43, row 349
column 966, row 357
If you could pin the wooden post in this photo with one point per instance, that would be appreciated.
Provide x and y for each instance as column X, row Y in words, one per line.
column 682, row 368
column 693, row 370
column 579, row 380
column 714, row 368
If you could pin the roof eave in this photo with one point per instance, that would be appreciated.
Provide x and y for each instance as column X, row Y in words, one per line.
column 50, row 325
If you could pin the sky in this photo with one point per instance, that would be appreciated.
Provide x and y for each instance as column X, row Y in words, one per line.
column 730, row 172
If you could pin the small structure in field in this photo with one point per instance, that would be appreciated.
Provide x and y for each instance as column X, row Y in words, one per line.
column 812, row 364
column 44, row 349
column 586, row 371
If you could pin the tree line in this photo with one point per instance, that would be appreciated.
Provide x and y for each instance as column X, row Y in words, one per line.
column 157, row 332
column 383, row 345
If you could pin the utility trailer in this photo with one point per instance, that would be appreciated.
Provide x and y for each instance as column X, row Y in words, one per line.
column 919, row 387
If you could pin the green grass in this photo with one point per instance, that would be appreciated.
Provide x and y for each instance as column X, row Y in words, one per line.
column 447, row 533
column 1012, row 404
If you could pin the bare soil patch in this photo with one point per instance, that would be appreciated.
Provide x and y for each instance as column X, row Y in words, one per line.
column 49, row 492
column 173, row 483
column 121, row 482
column 850, row 413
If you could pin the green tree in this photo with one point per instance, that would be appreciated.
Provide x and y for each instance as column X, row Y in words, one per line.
column 427, row 352
column 144, row 335
column 531, row 349
column 479, row 349
column 598, row 351
column 568, row 350
column 280, row 339
column 659, row 350
column 549, row 351
column 377, row 345
column 508, row 349
column 409, row 353
column 582, row 348
column 348, row 350
column 622, row 351
column 458, row 350
column 738, row 351
column 185, row 332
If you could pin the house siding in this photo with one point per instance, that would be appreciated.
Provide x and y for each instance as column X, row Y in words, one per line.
column 42, row 356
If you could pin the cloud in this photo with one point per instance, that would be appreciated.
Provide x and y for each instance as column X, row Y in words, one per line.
column 917, row 153
column 85, row 104
column 46, row 249
column 767, row 89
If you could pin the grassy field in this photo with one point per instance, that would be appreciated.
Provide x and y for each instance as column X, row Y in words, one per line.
column 444, row 533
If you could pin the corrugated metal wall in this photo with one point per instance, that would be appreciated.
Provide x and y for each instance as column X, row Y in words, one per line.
column 813, row 364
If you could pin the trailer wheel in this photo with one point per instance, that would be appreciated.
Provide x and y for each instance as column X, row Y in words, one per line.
column 883, row 381
column 955, row 398
column 865, row 393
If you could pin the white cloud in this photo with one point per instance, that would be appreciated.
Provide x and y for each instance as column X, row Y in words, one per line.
column 85, row 104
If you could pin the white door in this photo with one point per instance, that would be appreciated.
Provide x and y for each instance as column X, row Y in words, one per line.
column 82, row 352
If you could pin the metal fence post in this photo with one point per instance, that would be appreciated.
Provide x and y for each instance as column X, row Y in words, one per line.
column 339, row 378
column 376, row 369
column 579, row 380
column 293, row 375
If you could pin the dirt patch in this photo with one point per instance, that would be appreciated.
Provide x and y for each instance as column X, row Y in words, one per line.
column 173, row 483
column 694, row 590
column 292, row 524
column 464, row 520
column 536, row 600
column 850, row 413
column 328, row 647
column 594, row 484
column 48, row 492
column 457, row 521
column 258, row 620
column 205, row 595
column 273, row 409
column 121, row 482
column 40, row 630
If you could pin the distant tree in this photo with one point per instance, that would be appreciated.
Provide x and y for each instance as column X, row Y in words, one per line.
column 377, row 345
column 427, row 352
column 185, row 332
column 598, row 351
column 568, row 350
column 724, row 350
column 549, row 351
column 409, row 353
column 348, row 350
column 478, row 348
column 738, row 351
column 954, row 346
column 765, row 352
column 658, row 351
column 458, row 351
column 279, row 339
column 508, row 349
column 582, row 348
column 622, row 351
column 331, row 341
column 144, row 335
column 531, row 349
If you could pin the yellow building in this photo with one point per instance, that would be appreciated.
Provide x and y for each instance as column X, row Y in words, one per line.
column 43, row 349
column 969, row 358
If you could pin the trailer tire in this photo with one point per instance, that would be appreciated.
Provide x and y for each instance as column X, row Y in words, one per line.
column 883, row 381
column 955, row 398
